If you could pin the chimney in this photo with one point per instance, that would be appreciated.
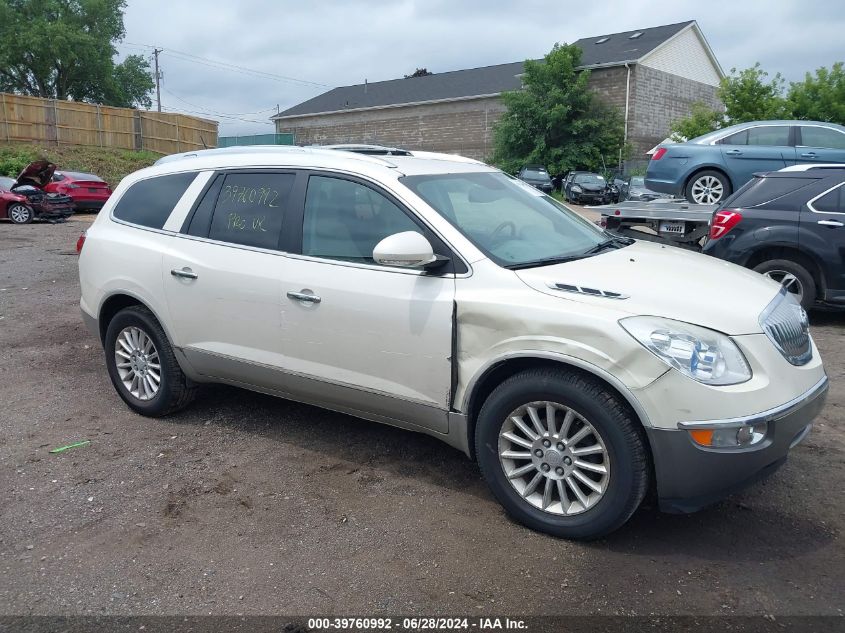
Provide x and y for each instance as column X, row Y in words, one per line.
column 365, row 86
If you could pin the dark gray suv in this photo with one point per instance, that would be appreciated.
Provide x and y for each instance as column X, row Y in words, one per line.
column 790, row 226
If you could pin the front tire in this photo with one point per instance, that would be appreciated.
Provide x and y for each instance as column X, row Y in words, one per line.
column 142, row 365
column 708, row 187
column 793, row 276
column 20, row 213
column 562, row 453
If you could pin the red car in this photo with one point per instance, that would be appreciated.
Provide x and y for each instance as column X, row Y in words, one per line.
column 41, row 205
column 14, row 206
column 89, row 192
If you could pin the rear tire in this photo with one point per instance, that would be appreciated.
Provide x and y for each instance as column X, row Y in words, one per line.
column 20, row 213
column 708, row 187
column 614, row 447
column 148, row 377
column 797, row 280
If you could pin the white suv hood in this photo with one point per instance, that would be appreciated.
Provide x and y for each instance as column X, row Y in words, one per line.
column 664, row 281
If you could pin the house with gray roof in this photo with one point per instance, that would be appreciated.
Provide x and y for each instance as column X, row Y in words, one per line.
column 653, row 75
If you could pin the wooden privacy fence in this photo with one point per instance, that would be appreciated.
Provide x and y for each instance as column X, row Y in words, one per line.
column 26, row 119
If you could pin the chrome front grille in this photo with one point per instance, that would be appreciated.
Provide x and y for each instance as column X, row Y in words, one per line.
column 785, row 323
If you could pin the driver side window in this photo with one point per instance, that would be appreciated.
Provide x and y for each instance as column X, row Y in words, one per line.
column 345, row 220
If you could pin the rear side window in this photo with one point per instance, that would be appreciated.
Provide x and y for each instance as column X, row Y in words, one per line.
column 832, row 201
column 763, row 190
column 822, row 137
column 250, row 209
column 740, row 138
column 149, row 202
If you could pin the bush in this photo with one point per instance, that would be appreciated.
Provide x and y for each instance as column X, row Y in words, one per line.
column 108, row 163
column 14, row 159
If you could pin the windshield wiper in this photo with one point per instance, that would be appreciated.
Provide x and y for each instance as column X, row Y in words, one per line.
column 546, row 261
column 614, row 242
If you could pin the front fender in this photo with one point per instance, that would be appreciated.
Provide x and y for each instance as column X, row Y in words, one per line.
column 492, row 330
column 475, row 381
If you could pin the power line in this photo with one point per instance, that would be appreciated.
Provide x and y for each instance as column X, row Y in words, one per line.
column 222, row 115
column 227, row 66
column 211, row 112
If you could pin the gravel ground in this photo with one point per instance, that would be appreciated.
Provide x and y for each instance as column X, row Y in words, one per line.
column 254, row 505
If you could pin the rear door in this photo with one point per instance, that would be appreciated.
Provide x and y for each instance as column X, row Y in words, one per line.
column 222, row 276
column 823, row 234
column 757, row 149
column 820, row 144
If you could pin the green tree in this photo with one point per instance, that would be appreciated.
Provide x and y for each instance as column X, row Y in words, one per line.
column 702, row 119
column 419, row 72
column 64, row 49
column 555, row 120
column 748, row 95
column 820, row 97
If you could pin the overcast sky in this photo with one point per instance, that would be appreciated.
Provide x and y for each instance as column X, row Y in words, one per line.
column 318, row 45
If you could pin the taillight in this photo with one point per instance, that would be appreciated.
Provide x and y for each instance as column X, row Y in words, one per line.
column 658, row 154
column 80, row 243
column 723, row 222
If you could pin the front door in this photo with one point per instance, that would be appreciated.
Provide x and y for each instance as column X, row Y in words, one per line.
column 371, row 338
column 819, row 144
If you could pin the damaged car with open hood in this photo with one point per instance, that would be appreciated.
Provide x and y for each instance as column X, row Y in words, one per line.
column 37, row 204
column 434, row 293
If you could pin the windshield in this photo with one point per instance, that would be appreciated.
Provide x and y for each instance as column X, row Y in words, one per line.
column 535, row 173
column 512, row 223
column 589, row 179
column 7, row 183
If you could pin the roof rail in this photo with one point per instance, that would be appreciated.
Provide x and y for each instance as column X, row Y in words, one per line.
column 809, row 166
column 232, row 149
column 371, row 150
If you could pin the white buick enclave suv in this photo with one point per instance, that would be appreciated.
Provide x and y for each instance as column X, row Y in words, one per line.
column 438, row 294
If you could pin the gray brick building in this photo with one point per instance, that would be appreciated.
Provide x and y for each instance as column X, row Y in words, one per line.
column 652, row 75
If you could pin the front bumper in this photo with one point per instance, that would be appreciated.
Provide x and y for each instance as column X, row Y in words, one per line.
column 53, row 214
column 592, row 198
column 690, row 477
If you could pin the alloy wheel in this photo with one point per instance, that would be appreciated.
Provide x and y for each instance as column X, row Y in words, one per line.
column 19, row 214
column 138, row 363
column 789, row 281
column 554, row 458
column 707, row 190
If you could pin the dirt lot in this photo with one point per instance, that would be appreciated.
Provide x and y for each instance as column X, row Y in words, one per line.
column 254, row 505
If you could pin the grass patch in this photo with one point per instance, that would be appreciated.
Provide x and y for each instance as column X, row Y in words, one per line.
column 110, row 164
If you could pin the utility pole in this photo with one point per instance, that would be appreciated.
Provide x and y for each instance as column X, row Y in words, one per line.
column 156, row 51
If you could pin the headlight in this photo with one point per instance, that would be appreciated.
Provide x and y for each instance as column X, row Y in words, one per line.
column 576, row 188
column 704, row 355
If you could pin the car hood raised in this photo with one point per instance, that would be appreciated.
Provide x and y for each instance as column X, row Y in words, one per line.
column 38, row 174
column 663, row 281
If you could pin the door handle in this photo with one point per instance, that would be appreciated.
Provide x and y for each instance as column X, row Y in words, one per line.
column 808, row 155
column 733, row 152
column 185, row 273
column 834, row 223
column 303, row 296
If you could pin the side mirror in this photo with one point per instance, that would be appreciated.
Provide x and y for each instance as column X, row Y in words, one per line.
column 408, row 250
